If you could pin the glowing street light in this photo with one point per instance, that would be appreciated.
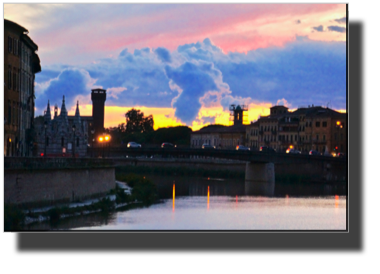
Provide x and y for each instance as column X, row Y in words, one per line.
column 101, row 139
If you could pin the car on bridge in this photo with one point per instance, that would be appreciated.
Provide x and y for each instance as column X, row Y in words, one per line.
column 207, row 146
column 133, row 144
column 167, row 145
column 293, row 151
column 314, row 152
column 267, row 149
column 341, row 155
column 241, row 147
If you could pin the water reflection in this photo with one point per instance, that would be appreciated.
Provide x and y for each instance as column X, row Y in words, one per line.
column 227, row 194
column 173, row 197
column 208, row 197
column 258, row 188
column 193, row 186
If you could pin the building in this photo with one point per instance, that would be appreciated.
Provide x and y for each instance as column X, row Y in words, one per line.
column 305, row 129
column 21, row 63
column 60, row 135
column 223, row 137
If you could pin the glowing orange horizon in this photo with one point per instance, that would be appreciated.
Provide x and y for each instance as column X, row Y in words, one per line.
column 165, row 117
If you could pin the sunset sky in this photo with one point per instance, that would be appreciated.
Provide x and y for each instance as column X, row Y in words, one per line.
column 186, row 63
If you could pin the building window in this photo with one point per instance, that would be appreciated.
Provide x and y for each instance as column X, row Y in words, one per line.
column 317, row 124
column 77, row 142
column 317, row 137
column 14, row 113
column 9, row 77
column 15, row 47
column 47, row 141
column 324, row 138
column 62, row 142
column 14, row 81
column 9, row 112
column 324, row 124
column 10, row 42
column 341, row 136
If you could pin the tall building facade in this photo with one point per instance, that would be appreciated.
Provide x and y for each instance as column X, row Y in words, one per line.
column 98, row 97
column 21, row 63
column 308, row 128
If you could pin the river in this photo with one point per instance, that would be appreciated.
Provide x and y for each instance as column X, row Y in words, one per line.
column 217, row 204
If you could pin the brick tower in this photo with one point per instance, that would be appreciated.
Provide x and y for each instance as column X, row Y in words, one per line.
column 98, row 97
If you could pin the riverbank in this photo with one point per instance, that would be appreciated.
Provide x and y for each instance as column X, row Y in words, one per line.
column 123, row 197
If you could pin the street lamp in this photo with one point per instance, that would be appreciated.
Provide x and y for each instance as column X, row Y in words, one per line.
column 101, row 139
column 92, row 141
column 73, row 127
column 45, row 126
column 107, row 138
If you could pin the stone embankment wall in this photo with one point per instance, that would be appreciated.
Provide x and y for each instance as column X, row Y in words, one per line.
column 51, row 180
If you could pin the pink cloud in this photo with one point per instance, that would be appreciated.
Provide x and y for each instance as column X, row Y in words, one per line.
column 107, row 29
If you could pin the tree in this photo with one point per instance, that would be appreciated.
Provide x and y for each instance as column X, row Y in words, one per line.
column 137, row 122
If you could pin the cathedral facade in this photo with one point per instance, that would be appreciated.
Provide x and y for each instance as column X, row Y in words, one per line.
column 62, row 135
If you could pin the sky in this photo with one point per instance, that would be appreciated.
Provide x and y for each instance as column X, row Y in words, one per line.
column 187, row 63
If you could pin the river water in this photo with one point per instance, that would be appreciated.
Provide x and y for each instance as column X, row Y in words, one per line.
column 216, row 204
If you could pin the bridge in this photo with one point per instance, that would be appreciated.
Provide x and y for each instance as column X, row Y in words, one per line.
column 260, row 166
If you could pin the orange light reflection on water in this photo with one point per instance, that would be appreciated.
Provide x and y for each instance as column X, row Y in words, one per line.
column 173, row 197
column 336, row 201
column 208, row 197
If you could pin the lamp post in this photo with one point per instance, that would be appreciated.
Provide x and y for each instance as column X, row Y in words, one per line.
column 73, row 127
column 45, row 126
column 107, row 138
column 101, row 139
column 92, row 142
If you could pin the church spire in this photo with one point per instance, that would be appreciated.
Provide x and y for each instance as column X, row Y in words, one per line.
column 77, row 115
column 47, row 114
column 63, row 114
